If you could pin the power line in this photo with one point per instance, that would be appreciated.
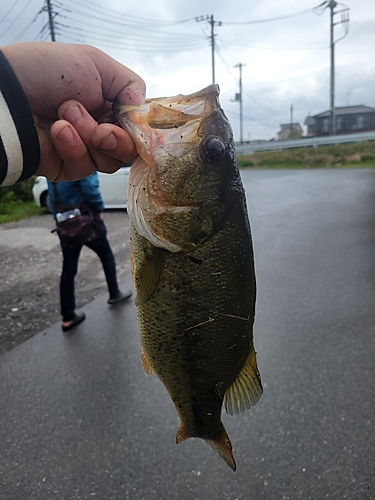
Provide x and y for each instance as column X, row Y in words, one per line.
column 9, row 11
column 127, row 43
column 124, row 24
column 257, row 104
column 17, row 37
column 277, row 46
column 139, row 45
column 16, row 19
column 122, row 34
column 140, row 21
column 235, row 113
column 269, row 19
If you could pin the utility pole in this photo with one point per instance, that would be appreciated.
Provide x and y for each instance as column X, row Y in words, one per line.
column 50, row 20
column 213, row 23
column 291, row 119
column 331, row 4
column 238, row 98
column 332, row 125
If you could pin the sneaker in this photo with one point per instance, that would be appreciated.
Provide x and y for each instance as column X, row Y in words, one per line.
column 76, row 321
column 121, row 297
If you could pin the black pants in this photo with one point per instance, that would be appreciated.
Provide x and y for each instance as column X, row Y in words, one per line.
column 103, row 249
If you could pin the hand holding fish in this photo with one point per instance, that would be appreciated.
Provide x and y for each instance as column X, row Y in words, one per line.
column 70, row 90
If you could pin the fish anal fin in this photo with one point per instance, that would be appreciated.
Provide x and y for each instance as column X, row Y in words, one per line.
column 182, row 434
column 146, row 364
column 223, row 446
column 247, row 389
column 147, row 275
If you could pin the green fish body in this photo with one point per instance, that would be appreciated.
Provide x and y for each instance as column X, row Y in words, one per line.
column 193, row 265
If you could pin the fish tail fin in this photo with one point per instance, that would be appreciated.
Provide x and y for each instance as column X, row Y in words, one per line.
column 223, row 446
column 221, row 443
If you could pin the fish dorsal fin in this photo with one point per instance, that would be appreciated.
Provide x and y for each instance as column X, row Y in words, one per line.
column 146, row 364
column 223, row 446
column 147, row 275
column 247, row 389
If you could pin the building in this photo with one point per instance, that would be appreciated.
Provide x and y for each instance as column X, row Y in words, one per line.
column 289, row 131
column 348, row 119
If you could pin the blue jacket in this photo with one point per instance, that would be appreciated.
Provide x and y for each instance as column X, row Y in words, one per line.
column 75, row 192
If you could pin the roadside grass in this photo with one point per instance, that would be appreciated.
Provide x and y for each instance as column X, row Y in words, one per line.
column 17, row 202
column 18, row 210
column 352, row 155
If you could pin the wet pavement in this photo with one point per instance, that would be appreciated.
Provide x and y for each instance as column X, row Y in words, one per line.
column 80, row 420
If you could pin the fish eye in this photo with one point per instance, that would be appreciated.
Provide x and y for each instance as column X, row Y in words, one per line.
column 214, row 149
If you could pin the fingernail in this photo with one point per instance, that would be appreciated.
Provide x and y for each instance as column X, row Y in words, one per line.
column 66, row 136
column 73, row 114
column 110, row 142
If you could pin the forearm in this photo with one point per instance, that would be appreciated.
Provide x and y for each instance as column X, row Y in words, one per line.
column 19, row 144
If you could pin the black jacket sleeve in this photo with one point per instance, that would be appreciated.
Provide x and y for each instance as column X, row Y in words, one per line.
column 19, row 143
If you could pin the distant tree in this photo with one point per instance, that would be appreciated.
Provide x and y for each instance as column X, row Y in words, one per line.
column 294, row 135
column 21, row 191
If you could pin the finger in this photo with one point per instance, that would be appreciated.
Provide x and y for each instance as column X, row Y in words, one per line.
column 73, row 112
column 106, row 143
column 133, row 93
column 115, row 142
column 71, row 148
column 78, row 160
column 63, row 156
column 50, row 163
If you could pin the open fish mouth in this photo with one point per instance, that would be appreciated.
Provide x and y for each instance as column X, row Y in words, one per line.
column 175, row 137
column 168, row 123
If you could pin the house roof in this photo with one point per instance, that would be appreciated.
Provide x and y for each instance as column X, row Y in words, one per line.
column 347, row 110
column 287, row 126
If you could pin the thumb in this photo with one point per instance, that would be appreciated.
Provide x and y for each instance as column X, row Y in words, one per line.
column 119, row 83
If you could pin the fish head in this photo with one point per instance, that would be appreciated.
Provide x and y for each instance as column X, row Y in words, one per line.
column 185, row 164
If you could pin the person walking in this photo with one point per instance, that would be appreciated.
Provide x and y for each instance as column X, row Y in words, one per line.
column 73, row 193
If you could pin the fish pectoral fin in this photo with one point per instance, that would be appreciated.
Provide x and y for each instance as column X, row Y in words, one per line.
column 147, row 275
column 223, row 446
column 247, row 389
column 146, row 364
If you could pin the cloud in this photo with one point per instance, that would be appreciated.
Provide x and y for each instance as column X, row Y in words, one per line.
column 287, row 60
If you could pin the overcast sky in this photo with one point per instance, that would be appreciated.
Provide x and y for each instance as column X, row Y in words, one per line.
column 286, row 60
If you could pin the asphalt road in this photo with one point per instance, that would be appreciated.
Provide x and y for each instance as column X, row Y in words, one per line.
column 80, row 420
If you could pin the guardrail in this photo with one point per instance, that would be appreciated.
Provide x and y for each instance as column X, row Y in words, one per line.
column 304, row 143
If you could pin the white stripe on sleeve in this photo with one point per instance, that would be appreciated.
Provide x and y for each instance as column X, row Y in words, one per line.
column 11, row 142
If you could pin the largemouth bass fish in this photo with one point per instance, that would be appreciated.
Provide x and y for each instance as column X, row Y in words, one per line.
column 193, row 264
